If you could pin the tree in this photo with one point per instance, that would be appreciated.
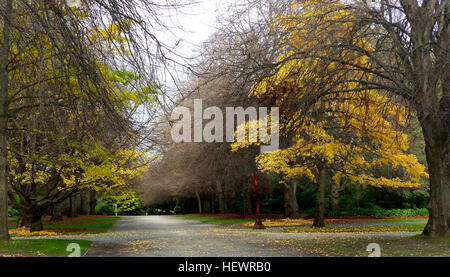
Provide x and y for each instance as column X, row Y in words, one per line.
column 348, row 133
column 406, row 61
column 55, row 34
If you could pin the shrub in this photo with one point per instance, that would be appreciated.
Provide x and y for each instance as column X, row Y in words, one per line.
column 12, row 212
column 105, row 209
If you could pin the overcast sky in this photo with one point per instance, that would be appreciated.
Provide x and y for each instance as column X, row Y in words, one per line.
column 193, row 24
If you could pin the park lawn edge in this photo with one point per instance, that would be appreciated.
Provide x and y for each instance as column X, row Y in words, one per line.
column 40, row 247
column 358, row 229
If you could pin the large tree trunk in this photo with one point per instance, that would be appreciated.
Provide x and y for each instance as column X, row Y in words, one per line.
column 335, row 191
column 437, row 148
column 290, row 199
column 57, row 213
column 36, row 223
column 4, row 84
column 30, row 220
column 92, row 202
column 319, row 215
column 199, row 201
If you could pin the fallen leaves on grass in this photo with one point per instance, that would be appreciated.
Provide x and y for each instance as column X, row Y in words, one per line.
column 359, row 229
column 294, row 222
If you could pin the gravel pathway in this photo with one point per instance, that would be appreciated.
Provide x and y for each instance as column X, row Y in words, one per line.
column 169, row 236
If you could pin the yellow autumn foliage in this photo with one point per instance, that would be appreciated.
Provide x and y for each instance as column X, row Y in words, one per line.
column 352, row 131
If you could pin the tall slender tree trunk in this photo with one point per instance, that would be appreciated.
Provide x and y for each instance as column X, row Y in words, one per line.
column 92, row 202
column 199, row 201
column 290, row 199
column 437, row 148
column 4, row 84
column 319, row 215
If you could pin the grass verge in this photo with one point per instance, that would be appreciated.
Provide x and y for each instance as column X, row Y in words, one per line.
column 70, row 226
column 361, row 229
column 39, row 247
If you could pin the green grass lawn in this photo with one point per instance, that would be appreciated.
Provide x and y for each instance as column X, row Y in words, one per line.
column 362, row 229
column 94, row 225
column 389, row 220
column 40, row 247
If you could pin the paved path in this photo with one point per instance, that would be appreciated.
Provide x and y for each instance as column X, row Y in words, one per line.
column 170, row 236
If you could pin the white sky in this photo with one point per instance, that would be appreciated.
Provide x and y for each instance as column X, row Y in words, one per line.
column 189, row 27
column 197, row 23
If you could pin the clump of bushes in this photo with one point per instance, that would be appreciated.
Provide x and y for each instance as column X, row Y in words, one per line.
column 128, row 203
column 12, row 212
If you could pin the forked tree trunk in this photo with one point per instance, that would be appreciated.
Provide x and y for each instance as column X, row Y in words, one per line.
column 319, row 215
column 290, row 199
column 4, row 83
column 92, row 202
column 199, row 201
column 437, row 149
column 57, row 213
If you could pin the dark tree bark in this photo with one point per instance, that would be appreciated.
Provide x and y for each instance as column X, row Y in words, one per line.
column 83, row 200
column 32, row 220
column 232, row 206
column 213, row 205
column 319, row 215
column 199, row 201
column 438, row 157
column 206, row 206
column 73, row 206
column 222, row 199
column 57, row 213
column 290, row 199
column 246, row 202
column 4, row 83
column 92, row 202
